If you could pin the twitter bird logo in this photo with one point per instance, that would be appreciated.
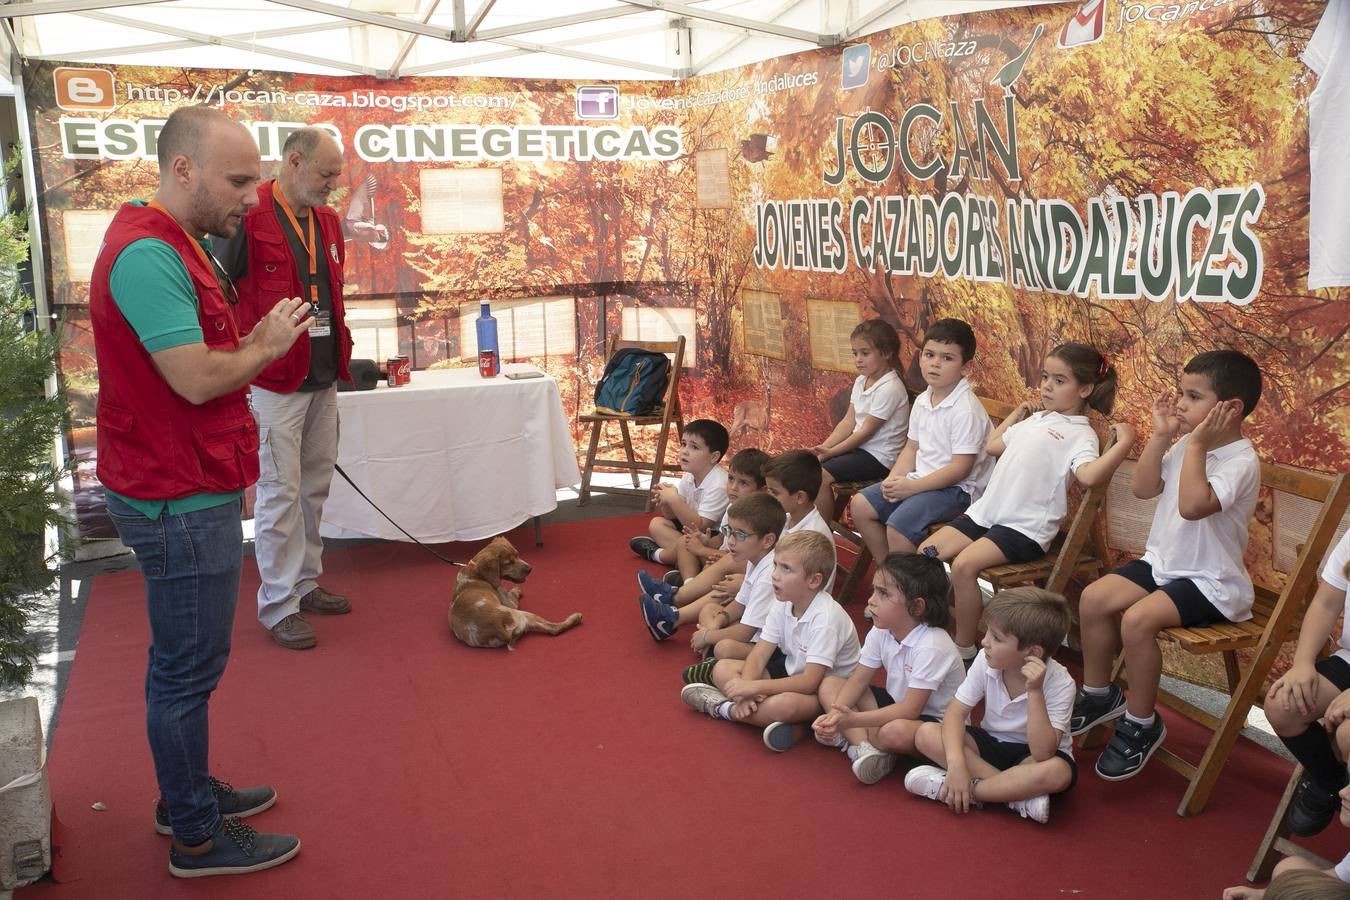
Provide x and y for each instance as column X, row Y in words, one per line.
column 856, row 65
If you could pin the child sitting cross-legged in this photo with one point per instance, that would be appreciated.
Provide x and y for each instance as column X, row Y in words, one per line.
column 910, row 608
column 708, row 553
column 697, row 501
column 753, row 524
column 817, row 639
column 1021, row 753
column 793, row 479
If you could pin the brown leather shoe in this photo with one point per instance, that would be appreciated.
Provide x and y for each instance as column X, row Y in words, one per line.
column 321, row 602
column 294, row 633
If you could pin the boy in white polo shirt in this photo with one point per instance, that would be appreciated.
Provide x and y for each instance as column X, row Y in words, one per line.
column 943, row 467
column 793, row 479
column 910, row 607
column 1021, row 753
column 698, row 501
column 1192, row 573
column 1039, row 454
column 817, row 639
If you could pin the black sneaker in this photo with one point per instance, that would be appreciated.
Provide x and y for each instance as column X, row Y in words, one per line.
column 1130, row 747
column 1091, row 710
column 644, row 547
column 1312, row 808
column 700, row 672
column 236, row 850
column 238, row 802
column 673, row 578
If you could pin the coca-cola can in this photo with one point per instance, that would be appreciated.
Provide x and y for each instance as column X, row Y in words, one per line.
column 391, row 367
column 404, row 370
column 488, row 366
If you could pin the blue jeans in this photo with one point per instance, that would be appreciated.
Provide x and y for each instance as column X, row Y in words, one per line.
column 191, row 566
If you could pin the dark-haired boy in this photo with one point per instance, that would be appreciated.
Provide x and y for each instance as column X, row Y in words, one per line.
column 1192, row 572
column 698, row 500
column 793, row 479
column 943, row 467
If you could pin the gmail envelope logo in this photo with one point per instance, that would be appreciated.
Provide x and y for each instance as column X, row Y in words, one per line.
column 1085, row 26
column 84, row 90
column 597, row 101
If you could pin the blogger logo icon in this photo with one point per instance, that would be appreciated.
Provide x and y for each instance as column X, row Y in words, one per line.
column 855, row 65
column 597, row 101
column 83, row 89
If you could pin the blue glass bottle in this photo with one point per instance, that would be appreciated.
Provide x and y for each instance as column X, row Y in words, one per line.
column 489, row 358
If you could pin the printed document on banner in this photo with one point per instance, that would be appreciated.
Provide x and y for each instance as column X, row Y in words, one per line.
column 830, row 323
column 455, row 201
column 83, row 230
column 762, row 324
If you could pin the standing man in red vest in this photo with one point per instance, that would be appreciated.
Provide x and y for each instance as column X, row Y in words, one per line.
column 291, row 245
column 176, row 448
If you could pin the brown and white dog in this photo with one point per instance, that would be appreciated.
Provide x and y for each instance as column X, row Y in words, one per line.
column 483, row 613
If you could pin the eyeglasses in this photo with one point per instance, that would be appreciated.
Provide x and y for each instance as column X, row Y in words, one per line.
column 224, row 281
column 736, row 534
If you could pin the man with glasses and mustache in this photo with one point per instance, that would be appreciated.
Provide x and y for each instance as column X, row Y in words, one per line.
column 176, row 448
column 291, row 244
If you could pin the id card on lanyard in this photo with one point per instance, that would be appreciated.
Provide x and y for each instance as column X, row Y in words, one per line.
column 323, row 326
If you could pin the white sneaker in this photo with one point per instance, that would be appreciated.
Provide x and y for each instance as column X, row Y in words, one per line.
column 703, row 697
column 925, row 781
column 1037, row 808
column 838, row 743
column 871, row 765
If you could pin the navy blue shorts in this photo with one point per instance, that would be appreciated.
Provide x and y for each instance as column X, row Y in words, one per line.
column 1014, row 545
column 1003, row 755
column 1192, row 606
column 1336, row 670
column 915, row 514
column 777, row 665
column 855, row 465
column 879, row 694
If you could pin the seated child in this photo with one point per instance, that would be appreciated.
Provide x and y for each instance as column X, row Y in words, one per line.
column 793, row 479
column 1021, row 753
column 1192, row 573
column 862, row 447
column 706, row 553
column 817, row 639
column 1300, row 697
column 700, row 498
column 1018, row 514
column 753, row 524
column 943, row 466
column 910, row 606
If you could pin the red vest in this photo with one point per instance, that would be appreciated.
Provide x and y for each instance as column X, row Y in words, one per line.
column 152, row 443
column 273, row 275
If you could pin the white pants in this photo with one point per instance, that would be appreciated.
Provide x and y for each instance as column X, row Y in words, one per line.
column 297, row 449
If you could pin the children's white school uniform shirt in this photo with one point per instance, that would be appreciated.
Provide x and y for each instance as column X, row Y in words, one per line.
column 824, row 635
column 1208, row 551
column 885, row 400
column 814, row 521
column 926, row 659
column 709, row 496
column 956, row 426
column 1333, row 573
column 1006, row 717
column 1343, row 868
column 756, row 593
column 1328, row 54
column 726, row 520
column 1029, row 490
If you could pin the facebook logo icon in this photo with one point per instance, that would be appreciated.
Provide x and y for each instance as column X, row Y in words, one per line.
column 597, row 102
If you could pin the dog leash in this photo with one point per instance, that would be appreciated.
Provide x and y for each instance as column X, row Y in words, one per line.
column 347, row 478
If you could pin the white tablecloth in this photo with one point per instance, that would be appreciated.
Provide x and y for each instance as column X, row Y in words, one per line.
column 451, row 456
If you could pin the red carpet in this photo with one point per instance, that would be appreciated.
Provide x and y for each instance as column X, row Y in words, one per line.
column 413, row 766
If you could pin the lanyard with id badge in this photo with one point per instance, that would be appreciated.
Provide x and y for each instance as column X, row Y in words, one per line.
column 323, row 318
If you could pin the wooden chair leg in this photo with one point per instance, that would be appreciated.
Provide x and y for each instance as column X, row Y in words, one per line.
column 855, row 574
column 1231, row 670
column 584, row 496
column 1268, row 852
column 628, row 449
column 660, row 460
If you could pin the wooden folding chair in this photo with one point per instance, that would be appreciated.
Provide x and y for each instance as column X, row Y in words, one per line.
column 666, row 415
column 853, row 575
column 1276, row 617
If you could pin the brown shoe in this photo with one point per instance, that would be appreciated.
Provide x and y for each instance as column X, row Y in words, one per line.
column 322, row 603
column 294, row 633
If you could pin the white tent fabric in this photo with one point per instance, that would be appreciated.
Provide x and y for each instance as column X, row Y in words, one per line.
column 586, row 39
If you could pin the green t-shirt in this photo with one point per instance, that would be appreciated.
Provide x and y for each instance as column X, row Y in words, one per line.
column 153, row 290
